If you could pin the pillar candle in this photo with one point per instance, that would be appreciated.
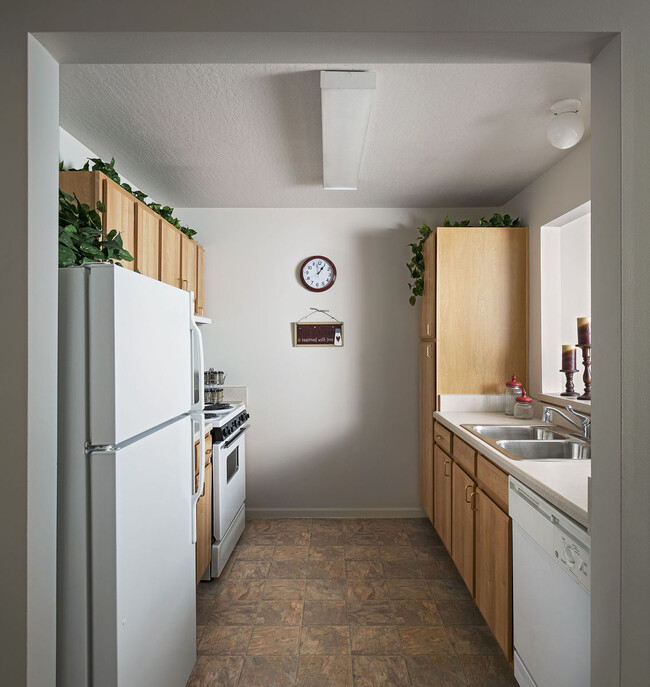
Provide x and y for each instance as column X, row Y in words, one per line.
column 584, row 331
column 568, row 357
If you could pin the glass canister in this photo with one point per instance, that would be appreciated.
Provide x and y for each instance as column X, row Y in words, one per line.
column 513, row 390
column 524, row 406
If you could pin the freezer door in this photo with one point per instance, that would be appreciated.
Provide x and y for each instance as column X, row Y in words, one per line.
column 143, row 613
column 140, row 353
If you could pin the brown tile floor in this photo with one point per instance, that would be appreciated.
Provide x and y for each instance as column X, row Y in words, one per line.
column 342, row 603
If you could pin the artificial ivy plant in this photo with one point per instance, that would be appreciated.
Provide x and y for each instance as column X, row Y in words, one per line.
column 416, row 265
column 80, row 235
column 108, row 168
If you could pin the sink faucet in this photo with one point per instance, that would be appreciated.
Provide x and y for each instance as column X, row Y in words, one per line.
column 585, row 422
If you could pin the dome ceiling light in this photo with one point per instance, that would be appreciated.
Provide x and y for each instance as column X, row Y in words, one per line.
column 566, row 128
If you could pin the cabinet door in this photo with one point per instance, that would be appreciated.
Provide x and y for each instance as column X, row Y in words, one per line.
column 462, row 532
column 170, row 254
column 482, row 308
column 147, row 241
column 428, row 298
column 200, row 280
column 494, row 569
column 442, row 495
column 204, row 526
column 120, row 215
column 426, row 426
column 188, row 264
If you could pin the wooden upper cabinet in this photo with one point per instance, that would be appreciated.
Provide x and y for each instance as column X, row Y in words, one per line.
column 494, row 569
column 119, row 215
column 189, row 260
column 200, row 280
column 481, row 308
column 170, row 255
column 428, row 298
column 147, row 241
column 463, row 490
column 427, row 396
column 442, row 495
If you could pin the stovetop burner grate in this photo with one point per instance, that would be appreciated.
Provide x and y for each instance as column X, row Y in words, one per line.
column 218, row 406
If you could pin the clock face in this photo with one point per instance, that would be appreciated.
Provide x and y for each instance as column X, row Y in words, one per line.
column 318, row 273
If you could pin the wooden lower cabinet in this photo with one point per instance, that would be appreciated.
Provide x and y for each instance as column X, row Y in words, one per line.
column 427, row 397
column 204, row 526
column 463, row 493
column 442, row 466
column 494, row 569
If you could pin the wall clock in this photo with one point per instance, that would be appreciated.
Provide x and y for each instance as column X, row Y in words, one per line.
column 318, row 273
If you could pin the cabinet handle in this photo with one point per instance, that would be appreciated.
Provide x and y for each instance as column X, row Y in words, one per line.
column 428, row 328
column 468, row 500
column 447, row 462
column 185, row 282
column 472, row 500
column 208, row 452
column 439, row 437
column 203, row 492
column 428, row 351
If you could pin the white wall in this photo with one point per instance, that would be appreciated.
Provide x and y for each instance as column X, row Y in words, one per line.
column 565, row 255
column 562, row 188
column 331, row 428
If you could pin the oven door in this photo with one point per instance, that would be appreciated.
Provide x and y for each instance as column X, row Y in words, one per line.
column 229, row 475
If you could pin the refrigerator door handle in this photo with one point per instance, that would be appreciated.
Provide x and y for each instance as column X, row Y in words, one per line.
column 198, row 418
column 197, row 365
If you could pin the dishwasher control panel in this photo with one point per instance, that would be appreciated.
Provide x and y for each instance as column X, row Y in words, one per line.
column 573, row 556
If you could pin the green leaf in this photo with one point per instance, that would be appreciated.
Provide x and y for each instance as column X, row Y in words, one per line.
column 412, row 300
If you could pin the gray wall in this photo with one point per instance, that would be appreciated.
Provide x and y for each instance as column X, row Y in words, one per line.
column 27, row 639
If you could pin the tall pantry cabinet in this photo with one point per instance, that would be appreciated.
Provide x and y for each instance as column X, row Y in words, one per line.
column 473, row 323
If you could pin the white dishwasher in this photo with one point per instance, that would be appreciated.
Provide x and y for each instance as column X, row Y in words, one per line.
column 551, row 576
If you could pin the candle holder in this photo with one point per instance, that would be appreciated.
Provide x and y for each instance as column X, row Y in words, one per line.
column 586, row 376
column 569, row 383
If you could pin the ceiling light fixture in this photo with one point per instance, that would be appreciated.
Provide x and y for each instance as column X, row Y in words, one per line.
column 566, row 128
column 346, row 101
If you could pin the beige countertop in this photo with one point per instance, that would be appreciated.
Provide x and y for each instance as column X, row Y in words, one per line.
column 564, row 484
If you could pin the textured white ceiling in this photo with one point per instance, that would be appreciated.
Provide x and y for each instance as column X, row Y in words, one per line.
column 248, row 135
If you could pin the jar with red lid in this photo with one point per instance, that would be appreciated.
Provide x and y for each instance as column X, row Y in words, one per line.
column 513, row 390
column 524, row 406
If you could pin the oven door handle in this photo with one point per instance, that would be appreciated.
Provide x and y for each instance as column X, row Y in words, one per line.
column 230, row 442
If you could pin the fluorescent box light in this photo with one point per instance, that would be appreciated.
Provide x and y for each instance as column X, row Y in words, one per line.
column 346, row 101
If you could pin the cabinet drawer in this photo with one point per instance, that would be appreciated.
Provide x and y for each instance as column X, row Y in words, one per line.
column 442, row 437
column 208, row 452
column 493, row 481
column 464, row 455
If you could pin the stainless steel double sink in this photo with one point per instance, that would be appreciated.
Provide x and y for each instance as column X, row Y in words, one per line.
column 533, row 442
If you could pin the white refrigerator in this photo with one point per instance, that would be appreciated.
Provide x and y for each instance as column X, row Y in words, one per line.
column 130, row 392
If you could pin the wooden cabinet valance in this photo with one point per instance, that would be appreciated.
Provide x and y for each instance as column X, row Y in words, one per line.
column 159, row 249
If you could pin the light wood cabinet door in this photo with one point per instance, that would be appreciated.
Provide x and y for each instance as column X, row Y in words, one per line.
column 119, row 215
column 428, row 298
column 200, row 280
column 442, row 495
column 427, row 395
column 204, row 526
column 188, row 265
column 481, row 308
column 463, row 492
column 494, row 569
column 147, row 241
column 170, row 255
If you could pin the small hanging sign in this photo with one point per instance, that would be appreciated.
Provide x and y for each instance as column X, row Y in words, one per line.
column 318, row 333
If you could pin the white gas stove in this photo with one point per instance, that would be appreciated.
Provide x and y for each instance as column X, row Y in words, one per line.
column 229, row 423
